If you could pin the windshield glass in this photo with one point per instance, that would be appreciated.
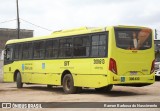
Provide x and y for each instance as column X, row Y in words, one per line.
column 133, row 39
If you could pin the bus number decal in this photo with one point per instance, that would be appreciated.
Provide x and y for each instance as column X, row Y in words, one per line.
column 66, row 63
column 98, row 61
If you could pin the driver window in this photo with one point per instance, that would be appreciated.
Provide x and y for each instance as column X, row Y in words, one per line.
column 9, row 53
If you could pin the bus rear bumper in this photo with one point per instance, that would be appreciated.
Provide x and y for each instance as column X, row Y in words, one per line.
column 133, row 80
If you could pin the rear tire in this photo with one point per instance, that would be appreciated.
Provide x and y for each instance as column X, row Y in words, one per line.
column 19, row 80
column 104, row 89
column 68, row 85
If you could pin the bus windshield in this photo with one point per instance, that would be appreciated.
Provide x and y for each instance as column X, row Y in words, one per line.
column 133, row 39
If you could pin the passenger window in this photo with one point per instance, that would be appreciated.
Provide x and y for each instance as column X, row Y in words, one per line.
column 39, row 49
column 17, row 51
column 49, row 48
column 55, row 48
column 99, row 45
column 27, row 51
column 66, row 47
column 81, row 46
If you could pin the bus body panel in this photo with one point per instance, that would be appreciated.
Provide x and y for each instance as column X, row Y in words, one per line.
column 86, row 72
column 126, row 62
column 8, row 75
column 133, row 67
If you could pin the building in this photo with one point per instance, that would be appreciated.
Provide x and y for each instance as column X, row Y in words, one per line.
column 8, row 34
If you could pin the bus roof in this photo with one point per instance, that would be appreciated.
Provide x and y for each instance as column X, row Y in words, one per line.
column 75, row 31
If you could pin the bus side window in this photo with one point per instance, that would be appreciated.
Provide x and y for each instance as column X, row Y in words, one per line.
column 17, row 51
column 27, row 51
column 55, row 48
column 30, row 50
column 62, row 47
column 69, row 46
column 65, row 47
column 81, row 46
column 38, row 49
column 49, row 49
column 99, row 45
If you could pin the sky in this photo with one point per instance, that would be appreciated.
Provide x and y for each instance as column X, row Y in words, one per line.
column 52, row 15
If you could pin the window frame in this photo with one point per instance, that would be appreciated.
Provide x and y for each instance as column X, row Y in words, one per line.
column 117, row 29
column 19, row 51
column 106, row 33
column 58, row 48
column 64, row 48
column 52, row 48
column 9, row 61
column 43, row 49
column 81, row 37
column 29, row 51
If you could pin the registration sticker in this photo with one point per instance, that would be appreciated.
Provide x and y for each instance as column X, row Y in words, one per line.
column 43, row 65
column 23, row 67
column 122, row 79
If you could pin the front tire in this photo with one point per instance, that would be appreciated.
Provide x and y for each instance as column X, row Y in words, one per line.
column 68, row 85
column 19, row 80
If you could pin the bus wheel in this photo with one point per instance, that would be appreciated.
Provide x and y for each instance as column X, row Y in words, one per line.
column 19, row 80
column 104, row 89
column 68, row 85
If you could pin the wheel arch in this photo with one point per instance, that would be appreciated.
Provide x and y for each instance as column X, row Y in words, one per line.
column 63, row 74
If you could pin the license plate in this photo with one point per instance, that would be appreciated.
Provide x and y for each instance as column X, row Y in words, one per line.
column 134, row 78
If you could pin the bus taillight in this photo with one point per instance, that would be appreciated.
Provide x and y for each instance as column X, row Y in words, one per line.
column 112, row 65
column 152, row 67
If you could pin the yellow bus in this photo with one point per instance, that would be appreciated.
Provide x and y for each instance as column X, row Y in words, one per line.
column 83, row 57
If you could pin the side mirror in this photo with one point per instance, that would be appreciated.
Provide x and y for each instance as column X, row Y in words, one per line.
column 5, row 52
